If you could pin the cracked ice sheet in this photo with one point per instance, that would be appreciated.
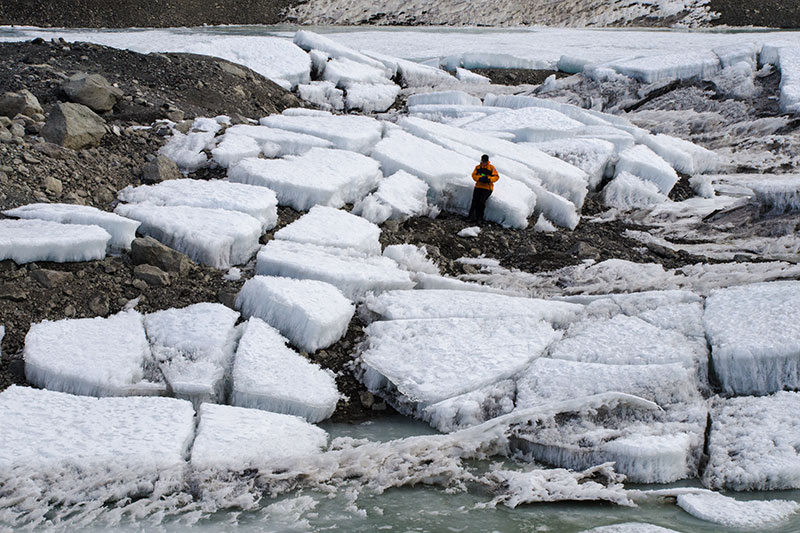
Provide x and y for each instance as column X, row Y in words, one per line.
column 753, row 443
column 269, row 375
column 235, row 438
column 90, row 356
column 194, row 348
column 417, row 357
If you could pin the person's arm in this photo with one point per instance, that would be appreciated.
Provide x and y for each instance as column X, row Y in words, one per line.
column 495, row 176
column 475, row 175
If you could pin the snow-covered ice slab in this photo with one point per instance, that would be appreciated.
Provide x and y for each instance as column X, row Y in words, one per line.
column 193, row 347
column 308, row 41
column 319, row 176
column 777, row 195
column 25, row 241
column 311, row 314
column 322, row 93
column 593, row 156
column 684, row 156
column 753, row 443
column 238, row 439
column 641, row 161
column 354, row 275
column 277, row 142
column 346, row 132
column 269, row 375
column 728, row 512
column 122, row 230
column 529, row 124
column 46, row 430
column 371, row 97
column 90, row 356
column 400, row 196
column 402, row 305
column 413, row 361
column 233, row 148
column 326, row 226
column 214, row 237
column 630, row 527
column 469, row 409
column 443, row 97
column 411, row 73
column 345, row 73
column 787, row 58
column 627, row 191
column 626, row 340
column 754, row 333
column 187, row 149
column 548, row 380
column 258, row 202
column 651, row 68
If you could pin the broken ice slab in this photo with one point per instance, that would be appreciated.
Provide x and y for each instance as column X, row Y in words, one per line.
column 354, row 274
column 627, row 191
column 238, row 439
column 25, row 241
column 371, row 97
column 754, row 331
column 424, row 361
column 269, row 375
column 286, row 142
column 398, row 305
column 215, row 237
column 728, row 512
column 327, row 226
column 311, row 314
column 122, row 230
column 399, row 196
column 258, row 202
column 529, row 124
column 194, row 347
column 642, row 162
column 753, row 443
column 233, row 148
column 319, row 176
column 43, row 430
column 593, row 156
column 346, row 132
column 91, row 356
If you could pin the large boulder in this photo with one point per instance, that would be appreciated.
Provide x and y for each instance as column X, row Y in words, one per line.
column 148, row 251
column 20, row 103
column 160, row 169
column 93, row 91
column 74, row 126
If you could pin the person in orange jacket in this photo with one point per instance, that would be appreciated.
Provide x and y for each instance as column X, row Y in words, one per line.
column 484, row 175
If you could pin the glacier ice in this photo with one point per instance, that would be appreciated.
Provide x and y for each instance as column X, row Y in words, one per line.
column 641, row 161
column 327, row 226
column 443, row 97
column 345, row 73
column 25, row 241
column 233, row 148
column 346, row 132
column 371, row 97
column 628, row 191
column 725, row 511
column 288, row 142
column 593, row 156
column 398, row 197
column 322, row 93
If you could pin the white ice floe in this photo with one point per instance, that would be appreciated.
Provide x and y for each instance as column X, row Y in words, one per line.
column 371, row 97
column 24, row 241
column 214, row 237
column 322, row 93
column 91, row 356
column 754, row 332
column 630, row 527
column 728, row 512
column 346, row 132
column 529, row 124
column 443, row 97
column 684, row 156
column 354, row 275
column 122, row 230
column 593, row 156
column 548, row 380
column 776, row 195
column 625, row 340
column 233, row 148
column 787, row 58
column 268, row 375
column 193, row 348
column 187, row 149
column 422, row 304
column 258, row 202
column 627, row 191
column 287, row 142
column 237, row 439
column 308, row 41
column 311, row 314
column 543, row 225
column 345, row 73
column 400, row 196
column 621, row 140
column 412, row 258
column 684, row 65
column 467, row 76
column 319, row 176
column 412, row 361
column 641, row 161
column 326, row 226
column 413, row 74
column 472, row 231
column 45, row 431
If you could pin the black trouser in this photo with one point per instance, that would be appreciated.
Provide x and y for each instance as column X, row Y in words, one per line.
column 479, row 197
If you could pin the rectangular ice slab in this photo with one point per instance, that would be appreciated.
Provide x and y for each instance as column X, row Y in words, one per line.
column 90, row 356
column 287, row 142
column 354, row 275
column 430, row 360
column 319, row 176
column 44, row 430
column 627, row 191
column 122, row 230
column 311, row 314
column 528, row 124
column 398, row 197
column 753, row 443
column 258, row 202
column 641, row 161
column 401, row 305
column 25, row 241
column 269, row 375
column 326, row 226
column 194, row 348
column 346, row 132
column 371, row 97
column 238, row 439
column 214, row 237
column 754, row 332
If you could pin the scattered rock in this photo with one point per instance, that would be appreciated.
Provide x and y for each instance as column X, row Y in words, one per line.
column 53, row 185
column 74, row 126
column 152, row 275
column 13, row 293
column 93, row 91
column 160, row 169
column 227, row 298
column 49, row 149
column 19, row 103
column 70, row 311
column 51, row 278
column 148, row 251
column 584, row 251
column 99, row 305
column 139, row 284
column 367, row 399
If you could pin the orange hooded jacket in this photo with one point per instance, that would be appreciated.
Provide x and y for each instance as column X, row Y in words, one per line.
column 490, row 174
